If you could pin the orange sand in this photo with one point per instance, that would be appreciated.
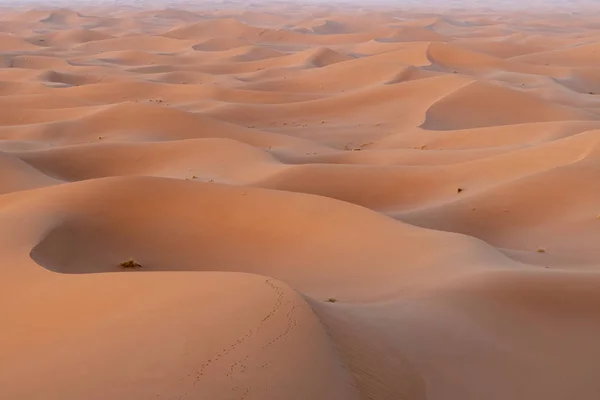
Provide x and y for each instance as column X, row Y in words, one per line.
column 327, row 202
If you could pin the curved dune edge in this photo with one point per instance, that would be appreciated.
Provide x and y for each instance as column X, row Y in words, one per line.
column 76, row 244
column 64, row 246
column 319, row 202
column 205, row 206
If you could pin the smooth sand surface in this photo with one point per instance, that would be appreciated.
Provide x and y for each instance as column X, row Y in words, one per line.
column 324, row 202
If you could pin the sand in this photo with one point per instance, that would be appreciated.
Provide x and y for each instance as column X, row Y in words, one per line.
column 324, row 202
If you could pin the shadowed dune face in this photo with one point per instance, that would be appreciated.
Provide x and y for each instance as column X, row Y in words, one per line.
column 299, row 201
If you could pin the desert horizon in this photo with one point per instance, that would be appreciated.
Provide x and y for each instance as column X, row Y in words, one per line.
column 299, row 200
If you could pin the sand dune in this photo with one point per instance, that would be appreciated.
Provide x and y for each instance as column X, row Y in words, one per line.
column 399, row 104
column 340, row 25
column 577, row 56
column 62, row 16
column 453, row 58
column 18, row 175
column 413, row 34
column 215, row 160
column 311, row 58
column 168, row 13
column 142, row 43
column 146, row 118
column 68, row 37
column 220, row 44
column 582, row 80
column 268, row 326
column 11, row 43
column 37, row 62
column 316, row 201
column 504, row 47
column 480, row 104
column 45, row 15
column 216, row 200
column 125, row 57
column 248, row 53
column 206, row 29
column 388, row 67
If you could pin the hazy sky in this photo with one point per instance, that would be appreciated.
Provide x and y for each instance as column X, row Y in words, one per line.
column 533, row 5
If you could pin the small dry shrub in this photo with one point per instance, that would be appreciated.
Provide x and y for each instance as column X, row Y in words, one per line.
column 130, row 264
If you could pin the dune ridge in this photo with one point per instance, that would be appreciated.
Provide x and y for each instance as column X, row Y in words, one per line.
column 288, row 200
